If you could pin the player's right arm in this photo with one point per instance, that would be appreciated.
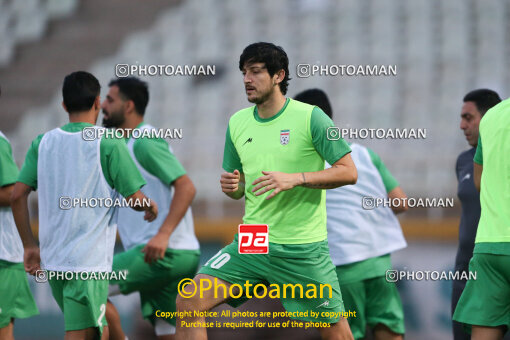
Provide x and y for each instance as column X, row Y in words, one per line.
column 26, row 182
column 232, row 184
column 19, row 205
column 232, row 180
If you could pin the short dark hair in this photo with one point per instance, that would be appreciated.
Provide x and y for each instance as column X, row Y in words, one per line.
column 316, row 97
column 79, row 91
column 484, row 99
column 131, row 88
column 274, row 58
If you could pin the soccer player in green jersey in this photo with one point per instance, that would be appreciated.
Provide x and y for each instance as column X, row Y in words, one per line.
column 274, row 157
column 485, row 302
column 161, row 253
column 75, row 162
column 16, row 300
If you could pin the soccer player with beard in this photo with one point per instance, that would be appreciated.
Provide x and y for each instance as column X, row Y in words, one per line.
column 161, row 253
column 274, row 156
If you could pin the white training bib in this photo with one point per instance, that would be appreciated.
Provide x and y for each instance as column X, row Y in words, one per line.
column 80, row 238
column 134, row 230
column 356, row 234
column 11, row 248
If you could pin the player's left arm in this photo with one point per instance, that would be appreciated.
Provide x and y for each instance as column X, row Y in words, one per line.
column 155, row 157
column 335, row 151
column 5, row 195
column 395, row 192
column 342, row 172
column 400, row 195
column 478, row 165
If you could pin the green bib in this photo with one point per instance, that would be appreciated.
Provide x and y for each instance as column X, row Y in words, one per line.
column 281, row 143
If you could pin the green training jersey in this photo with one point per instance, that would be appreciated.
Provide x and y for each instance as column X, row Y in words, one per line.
column 11, row 248
column 294, row 140
column 8, row 169
column 155, row 157
column 493, row 235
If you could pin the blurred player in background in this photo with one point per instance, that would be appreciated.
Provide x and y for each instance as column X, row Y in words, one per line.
column 161, row 253
column 476, row 103
column 361, row 240
column 63, row 163
column 274, row 156
column 485, row 302
column 16, row 299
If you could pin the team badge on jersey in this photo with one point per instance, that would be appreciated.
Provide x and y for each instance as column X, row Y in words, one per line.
column 284, row 137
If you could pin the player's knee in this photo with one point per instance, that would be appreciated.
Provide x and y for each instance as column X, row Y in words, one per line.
column 186, row 304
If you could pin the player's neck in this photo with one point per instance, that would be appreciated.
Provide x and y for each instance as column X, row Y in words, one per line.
column 271, row 106
column 132, row 123
column 83, row 117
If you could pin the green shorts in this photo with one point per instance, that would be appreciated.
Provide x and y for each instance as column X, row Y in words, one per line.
column 366, row 291
column 83, row 302
column 156, row 282
column 375, row 301
column 486, row 300
column 288, row 268
column 16, row 300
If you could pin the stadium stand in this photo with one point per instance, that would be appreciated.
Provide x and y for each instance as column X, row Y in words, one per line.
column 25, row 21
column 443, row 38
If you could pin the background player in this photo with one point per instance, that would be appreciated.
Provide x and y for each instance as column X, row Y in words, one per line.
column 161, row 253
column 362, row 262
column 485, row 302
column 16, row 299
column 61, row 163
column 476, row 103
column 274, row 156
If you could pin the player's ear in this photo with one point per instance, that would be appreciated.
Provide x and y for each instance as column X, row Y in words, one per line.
column 279, row 77
column 130, row 106
column 97, row 103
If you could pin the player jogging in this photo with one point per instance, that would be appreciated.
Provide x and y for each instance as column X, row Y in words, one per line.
column 360, row 241
column 476, row 103
column 485, row 302
column 274, row 157
column 161, row 253
column 16, row 299
column 68, row 164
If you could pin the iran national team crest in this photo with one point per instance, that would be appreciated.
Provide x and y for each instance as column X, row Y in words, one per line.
column 284, row 137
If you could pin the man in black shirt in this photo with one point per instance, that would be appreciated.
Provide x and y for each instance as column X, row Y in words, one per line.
column 476, row 103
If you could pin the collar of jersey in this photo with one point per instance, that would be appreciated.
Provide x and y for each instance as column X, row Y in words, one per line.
column 75, row 127
column 267, row 120
column 142, row 123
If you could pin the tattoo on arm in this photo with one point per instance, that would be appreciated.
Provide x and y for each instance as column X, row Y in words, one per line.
column 319, row 185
